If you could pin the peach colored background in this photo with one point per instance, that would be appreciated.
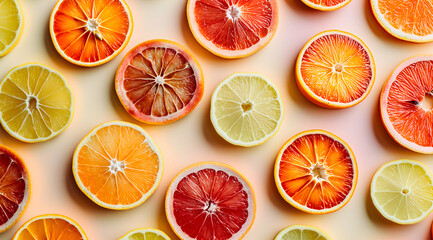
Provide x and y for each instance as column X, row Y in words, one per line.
column 193, row 138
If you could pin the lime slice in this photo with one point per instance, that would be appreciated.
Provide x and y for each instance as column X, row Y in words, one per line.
column 145, row 234
column 301, row 232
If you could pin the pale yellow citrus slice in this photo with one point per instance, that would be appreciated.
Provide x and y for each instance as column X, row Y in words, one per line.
column 11, row 25
column 145, row 234
column 301, row 232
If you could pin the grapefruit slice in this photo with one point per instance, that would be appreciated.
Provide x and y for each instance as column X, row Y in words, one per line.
column 406, row 104
column 301, row 232
column 327, row 5
column 233, row 29
column 14, row 188
column 11, row 25
column 90, row 33
column 159, row 82
column 316, row 172
column 145, row 234
column 335, row 69
column 117, row 165
column 210, row 200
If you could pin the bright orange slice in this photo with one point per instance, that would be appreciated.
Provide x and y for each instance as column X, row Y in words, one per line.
column 159, row 82
column 90, row 32
column 117, row 165
column 326, row 5
column 14, row 188
column 316, row 172
column 233, row 29
column 406, row 104
column 335, row 69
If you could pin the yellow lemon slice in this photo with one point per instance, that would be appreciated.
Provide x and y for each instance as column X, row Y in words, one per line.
column 11, row 25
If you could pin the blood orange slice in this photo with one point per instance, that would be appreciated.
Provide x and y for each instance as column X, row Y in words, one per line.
column 14, row 188
column 233, row 29
column 90, row 33
column 326, row 5
column 210, row 201
column 406, row 104
column 159, row 82
column 316, row 172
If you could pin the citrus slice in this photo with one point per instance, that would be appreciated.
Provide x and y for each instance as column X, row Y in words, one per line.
column 301, row 232
column 36, row 103
column 14, row 188
column 406, row 104
column 117, row 165
column 233, row 29
column 402, row 191
column 50, row 227
column 409, row 20
column 11, row 25
column 90, row 33
column 145, row 234
column 316, row 172
column 159, row 82
column 335, row 69
column 246, row 109
column 327, row 5
column 210, row 200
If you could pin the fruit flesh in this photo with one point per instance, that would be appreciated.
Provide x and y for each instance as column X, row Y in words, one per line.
column 302, row 234
column 146, row 236
column 9, row 24
column 50, row 229
column 327, row 3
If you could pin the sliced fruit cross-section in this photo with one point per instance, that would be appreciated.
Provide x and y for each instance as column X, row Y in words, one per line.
column 301, row 232
column 11, row 25
column 326, row 5
column 145, row 234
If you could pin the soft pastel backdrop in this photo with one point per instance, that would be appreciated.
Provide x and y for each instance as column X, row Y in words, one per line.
column 193, row 139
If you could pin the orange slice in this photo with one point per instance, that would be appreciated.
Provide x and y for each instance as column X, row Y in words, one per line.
column 90, row 32
column 117, row 165
column 406, row 104
column 14, row 188
column 159, row 82
column 316, row 172
column 233, row 29
column 326, row 5
column 210, row 200
column 335, row 69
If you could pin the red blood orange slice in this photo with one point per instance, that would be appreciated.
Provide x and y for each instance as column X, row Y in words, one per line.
column 210, row 201
column 235, row 28
column 159, row 82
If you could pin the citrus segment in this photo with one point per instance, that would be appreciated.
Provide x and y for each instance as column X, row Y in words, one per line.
column 246, row 109
column 145, row 234
column 11, row 25
column 210, row 201
column 90, row 33
column 335, row 69
column 301, row 232
column 233, row 29
column 159, row 82
column 36, row 103
column 402, row 191
column 316, row 172
column 326, row 5
column 117, row 165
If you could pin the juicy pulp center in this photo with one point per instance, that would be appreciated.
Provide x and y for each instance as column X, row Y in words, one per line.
column 319, row 172
column 233, row 12
column 92, row 25
column 405, row 191
column 159, row 80
column 338, row 67
column 116, row 166
column 247, row 106
column 32, row 103
column 427, row 102
column 211, row 207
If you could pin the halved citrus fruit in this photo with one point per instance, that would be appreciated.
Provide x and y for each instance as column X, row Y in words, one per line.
column 50, row 227
column 90, row 33
column 145, row 234
column 14, row 188
column 36, row 103
column 316, row 172
column 233, row 29
column 159, row 82
column 409, row 20
column 402, row 191
column 406, row 104
column 117, row 165
column 11, row 25
column 301, row 232
column 246, row 109
column 335, row 69
column 326, row 5
column 210, row 200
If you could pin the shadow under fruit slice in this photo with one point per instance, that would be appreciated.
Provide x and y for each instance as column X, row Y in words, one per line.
column 316, row 172
column 145, row 234
column 301, row 232
column 117, row 165
column 14, row 188
column 11, row 25
column 210, row 200
column 90, row 32
column 159, row 82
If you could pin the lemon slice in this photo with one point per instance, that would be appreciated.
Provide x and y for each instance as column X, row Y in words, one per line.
column 301, row 232
column 36, row 103
column 145, row 234
column 246, row 109
column 11, row 25
column 402, row 191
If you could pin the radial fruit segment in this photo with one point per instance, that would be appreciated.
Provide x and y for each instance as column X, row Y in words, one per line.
column 36, row 103
column 117, row 165
column 11, row 25
column 301, row 232
column 335, row 69
column 402, row 191
column 159, row 82
column 210, row 201
column 326, row 5
column 145, row 234
column 316, row 172
column 90, row 33
column 233, row 29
